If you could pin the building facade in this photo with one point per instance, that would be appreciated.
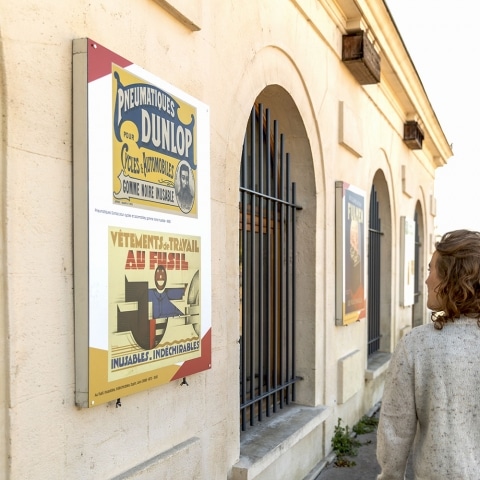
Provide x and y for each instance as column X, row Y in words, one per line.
column 310, row 102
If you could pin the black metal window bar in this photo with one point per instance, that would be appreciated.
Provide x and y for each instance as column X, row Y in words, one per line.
column 267, row 272
column 374, row 259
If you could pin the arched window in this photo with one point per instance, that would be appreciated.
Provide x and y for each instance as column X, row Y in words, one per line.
column 379, row 307
column 418, row 310
column 374, row 283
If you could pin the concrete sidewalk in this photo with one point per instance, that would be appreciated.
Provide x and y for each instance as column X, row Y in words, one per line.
column 366, row 466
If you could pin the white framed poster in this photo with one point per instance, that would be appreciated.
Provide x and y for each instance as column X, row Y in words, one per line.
column 141, row 228
column 407, row 261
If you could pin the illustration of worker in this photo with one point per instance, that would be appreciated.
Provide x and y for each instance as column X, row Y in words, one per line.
column 161, row 297
column 147, row 328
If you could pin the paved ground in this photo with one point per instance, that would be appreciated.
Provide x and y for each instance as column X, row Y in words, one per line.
column 366, row 466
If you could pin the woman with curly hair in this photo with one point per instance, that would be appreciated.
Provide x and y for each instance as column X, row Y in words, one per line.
column 431, row 402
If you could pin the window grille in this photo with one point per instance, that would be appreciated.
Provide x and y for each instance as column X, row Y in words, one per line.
column 267, row 272
column 374, row 259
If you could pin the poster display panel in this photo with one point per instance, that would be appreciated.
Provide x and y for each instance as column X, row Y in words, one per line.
column 407, row 259
column 350, row 253
column 141, row 228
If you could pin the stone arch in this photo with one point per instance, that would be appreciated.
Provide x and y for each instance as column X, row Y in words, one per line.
column 273, row 75
column 273, row 79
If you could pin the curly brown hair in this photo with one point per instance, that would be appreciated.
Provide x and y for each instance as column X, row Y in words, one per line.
column 458, row 267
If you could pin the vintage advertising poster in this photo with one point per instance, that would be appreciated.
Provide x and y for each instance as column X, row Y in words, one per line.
column 154, row 309
column 154, row 146
column 407, row 258
column 141, row 229
column 350, row 254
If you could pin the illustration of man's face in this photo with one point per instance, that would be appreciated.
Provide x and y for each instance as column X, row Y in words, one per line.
column 184, row 177
column 355, row 242
column 160, row 277
column 354, row 235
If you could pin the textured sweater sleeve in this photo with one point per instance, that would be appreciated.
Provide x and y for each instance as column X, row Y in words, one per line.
column 398, row 419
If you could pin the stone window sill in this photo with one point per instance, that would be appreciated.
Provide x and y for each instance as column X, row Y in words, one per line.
column 378, row 363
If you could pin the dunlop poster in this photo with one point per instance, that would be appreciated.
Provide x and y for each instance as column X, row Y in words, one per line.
column 141, row 229
column 154, row 154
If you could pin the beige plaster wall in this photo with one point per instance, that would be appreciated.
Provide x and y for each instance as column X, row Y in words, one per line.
column 226, row 57
column 46, row 429
column 4, row 425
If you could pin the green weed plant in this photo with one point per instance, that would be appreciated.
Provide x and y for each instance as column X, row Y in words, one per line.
column 344, row 442
column 365, row 425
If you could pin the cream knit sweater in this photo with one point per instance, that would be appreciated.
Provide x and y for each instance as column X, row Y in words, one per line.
column 432, row 400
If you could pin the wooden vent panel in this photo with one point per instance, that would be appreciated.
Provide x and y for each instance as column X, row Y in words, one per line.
column 361, row 58
column 413, row 135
